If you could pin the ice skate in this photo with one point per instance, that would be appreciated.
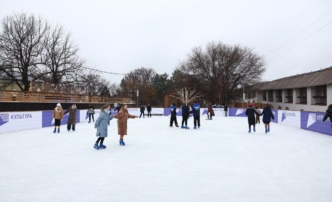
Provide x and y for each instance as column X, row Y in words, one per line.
column 194, row 127
column 122, row 143
column 182, row 127
column 54, row 130
column 58, row 130
column 254, row 129
column 96, row 146
column 101, row 146
column 186, row 127
column 249, row 130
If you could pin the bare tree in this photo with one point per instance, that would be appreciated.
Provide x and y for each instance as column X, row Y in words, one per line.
column 217, row 71
column 20, row 48
column 60, row 58
column 186, row 95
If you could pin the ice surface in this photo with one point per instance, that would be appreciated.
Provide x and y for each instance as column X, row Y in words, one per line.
column 219, row 162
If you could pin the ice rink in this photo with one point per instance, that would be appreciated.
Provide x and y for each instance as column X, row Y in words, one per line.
column 219, row 162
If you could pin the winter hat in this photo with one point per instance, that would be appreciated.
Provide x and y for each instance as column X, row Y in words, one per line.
column 250, row 105
column 58, row 105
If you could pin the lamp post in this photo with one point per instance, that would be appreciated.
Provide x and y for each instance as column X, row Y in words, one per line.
column 137, row 97
column 243, row 95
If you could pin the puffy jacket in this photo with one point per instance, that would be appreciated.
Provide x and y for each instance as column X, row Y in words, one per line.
column 185, row 110
column 173, row 110
column 328, row 115
column 196, row 109
column 267, row 114
column 142, row 108
column 102, row 123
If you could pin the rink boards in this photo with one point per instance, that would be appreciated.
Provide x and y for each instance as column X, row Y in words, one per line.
column 20, row 121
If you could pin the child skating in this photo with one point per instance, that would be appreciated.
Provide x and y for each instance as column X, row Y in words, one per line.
column 267, row 115
column 250, row 112
column 101, row 125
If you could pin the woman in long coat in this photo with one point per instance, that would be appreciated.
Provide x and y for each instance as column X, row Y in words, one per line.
column 267, row 115
column 122, row 117
column 250, row 112
column 101, row 125
column 210, row 112
column 72, row 117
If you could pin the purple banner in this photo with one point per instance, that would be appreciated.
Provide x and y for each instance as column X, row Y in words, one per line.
column 275, row 114
column 167, row 112
column 237, row 112
column 4, row 118
column 313, row 121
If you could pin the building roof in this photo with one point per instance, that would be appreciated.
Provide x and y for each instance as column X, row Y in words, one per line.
column 318, row 78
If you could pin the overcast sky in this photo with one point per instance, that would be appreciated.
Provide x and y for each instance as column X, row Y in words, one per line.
column 120, row 36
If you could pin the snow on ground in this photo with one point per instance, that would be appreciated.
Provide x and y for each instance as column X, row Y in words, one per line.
column 219, row 162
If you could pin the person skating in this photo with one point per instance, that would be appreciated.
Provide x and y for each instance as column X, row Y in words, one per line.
column 57, row 116
column 185, row 115
column 72, row 117
column 267, row 115
column 149, row 109
column 258, row 120
column 101, row 125
column 117, row 108
column 210, row 112
column 225, row 109
column 91, row 112
column 173, row 116
column 250, row 112
column 328, row 114
column 123, row 117
column 142, row 111
column 197, row 114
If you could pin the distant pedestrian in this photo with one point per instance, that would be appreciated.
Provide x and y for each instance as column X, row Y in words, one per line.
column 185, row 115
column 197, row 113
column 267, row 115
column 142, row 111
column 102, row 126
column 72, row 117
column 210, row 112
column 328, row 114
column 123, row 117
column 258, row 120
column 57, row 116
column 91, row 112
column 117, row 108
column 250, row 112
column 173, row 116
column 225, row 109
column 149, row 109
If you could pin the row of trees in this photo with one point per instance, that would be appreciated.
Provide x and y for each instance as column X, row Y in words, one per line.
column 31, row 49
column 214, row 74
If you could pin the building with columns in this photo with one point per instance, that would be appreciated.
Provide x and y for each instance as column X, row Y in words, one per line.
column 308, row 92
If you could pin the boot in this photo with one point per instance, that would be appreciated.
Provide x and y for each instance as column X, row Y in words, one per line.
column 186, row 127
column 183, row 127
column 122, row 143
column 194, row 127
column 54, row 130
column 101, row 146
column 58, row 130
column 254, row 129
column 268, row 129
column 96, row 146
column 249, row 130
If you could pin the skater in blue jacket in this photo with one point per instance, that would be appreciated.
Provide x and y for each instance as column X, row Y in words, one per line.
column 197, row 114
column 267, row 115
column 173, row 116
column 101, row 125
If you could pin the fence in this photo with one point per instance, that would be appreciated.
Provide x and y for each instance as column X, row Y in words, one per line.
column 21, row 96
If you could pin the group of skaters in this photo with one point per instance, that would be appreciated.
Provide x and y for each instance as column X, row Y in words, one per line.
column 122, row 115
column 188, row 111
column 268, row 115
column 142, row 110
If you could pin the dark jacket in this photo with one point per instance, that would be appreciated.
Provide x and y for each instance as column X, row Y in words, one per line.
column 72, row 115
column 173, row 110
column 328, row 115
column 267, row 114
column 225, row 108
column 148, row 108
column 142, row 108
column 251, row 115
column 91, row 110
column 117, row 108
column 185, row 110
column 196, row 109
